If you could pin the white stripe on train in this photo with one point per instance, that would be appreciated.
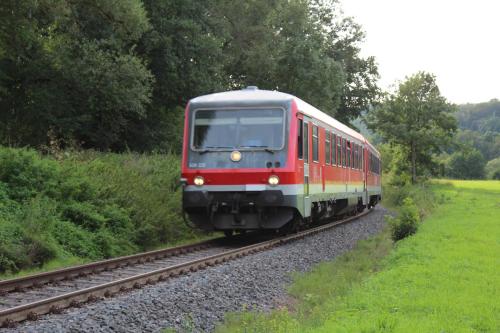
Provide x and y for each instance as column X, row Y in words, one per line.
column 293, row 189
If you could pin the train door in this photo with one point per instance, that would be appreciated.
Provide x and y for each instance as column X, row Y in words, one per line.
column 307, row 158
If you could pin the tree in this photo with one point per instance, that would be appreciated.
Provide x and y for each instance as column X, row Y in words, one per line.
column 417, row 118
column 343, row 37
column 115, row 75
column 184, row 54
column 305, row 48
column 492, row 169
column 467, row 163
column 69, row 68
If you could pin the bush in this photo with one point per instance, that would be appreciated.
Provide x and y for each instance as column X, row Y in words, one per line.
column 467, row 163
column 75, row 240
column 25, row 236
column 88, row 205
column 493, row 169
column 147, row 185
column 406, row 223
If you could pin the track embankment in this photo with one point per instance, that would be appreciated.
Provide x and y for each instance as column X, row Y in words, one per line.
column 200, row 299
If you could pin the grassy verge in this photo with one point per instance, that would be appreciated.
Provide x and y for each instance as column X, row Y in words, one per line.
column 444, row 278
column 84, row 206
column 310, row 291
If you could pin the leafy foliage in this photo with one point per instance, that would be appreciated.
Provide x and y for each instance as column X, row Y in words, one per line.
column 88, row 205
column 417, row 118
column 115, row 75
column 467, row 163
column 70, row 67
column 487, row 143
column 406, row 223
column 476, row 141
column 481, row 117
column 492, row 169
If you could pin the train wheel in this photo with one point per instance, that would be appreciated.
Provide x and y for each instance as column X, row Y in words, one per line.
column 291, row 227
column 228, row 233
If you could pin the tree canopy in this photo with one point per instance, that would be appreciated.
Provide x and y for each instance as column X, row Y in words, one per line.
column 69, row 67
column 467, row 163
column 417, row 118
column 115, row 75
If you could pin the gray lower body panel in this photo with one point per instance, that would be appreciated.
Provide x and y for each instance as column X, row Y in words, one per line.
column 268, row 209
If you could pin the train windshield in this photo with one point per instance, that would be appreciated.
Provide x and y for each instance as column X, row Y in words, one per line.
column 252, row 129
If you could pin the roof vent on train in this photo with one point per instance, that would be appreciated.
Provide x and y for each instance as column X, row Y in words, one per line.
column 251, row 88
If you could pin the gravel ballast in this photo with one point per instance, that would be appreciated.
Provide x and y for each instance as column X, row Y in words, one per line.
column 198, row 301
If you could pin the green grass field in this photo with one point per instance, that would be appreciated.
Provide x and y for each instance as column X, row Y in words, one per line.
column 445, row 278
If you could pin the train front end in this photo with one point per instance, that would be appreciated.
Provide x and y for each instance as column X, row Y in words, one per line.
column 237, row 172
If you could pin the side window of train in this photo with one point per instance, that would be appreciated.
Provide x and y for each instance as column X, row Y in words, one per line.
column 306, row 142
column 371, row 162
column 355, row 155
column 357, row 158
column 300, row 142
column 334, row 148
column 342, row 155
column 327, row 147
column 361, row 150
column 343, row 152
column 348, row 149
column 339, row 151
column 361, row 161
column 315, row 143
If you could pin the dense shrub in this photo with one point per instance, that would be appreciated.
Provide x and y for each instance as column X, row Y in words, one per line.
column 147, row 185
column 493, row 169
column 467, row 163
column 86, row 204
column 406, row 223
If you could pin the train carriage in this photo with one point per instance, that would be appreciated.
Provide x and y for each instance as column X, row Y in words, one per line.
column 258, row 159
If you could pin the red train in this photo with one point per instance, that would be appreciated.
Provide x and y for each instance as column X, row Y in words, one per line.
column 258, row 159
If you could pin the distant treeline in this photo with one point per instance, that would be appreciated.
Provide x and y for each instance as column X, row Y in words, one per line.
column 115, row 75
column 476, row 149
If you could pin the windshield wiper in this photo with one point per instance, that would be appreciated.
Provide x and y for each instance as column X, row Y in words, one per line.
column 209, row 148
column 266, row 148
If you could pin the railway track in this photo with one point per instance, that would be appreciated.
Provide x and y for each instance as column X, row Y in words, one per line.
column 30, row 297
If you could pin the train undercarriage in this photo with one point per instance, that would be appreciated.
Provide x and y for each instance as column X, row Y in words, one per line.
column 263, row 210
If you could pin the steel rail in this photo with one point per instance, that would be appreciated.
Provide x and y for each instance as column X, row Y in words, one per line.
column 32, row 311
column 37, row 280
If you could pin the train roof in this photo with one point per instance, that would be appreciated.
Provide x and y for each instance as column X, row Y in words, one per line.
column 253, row 94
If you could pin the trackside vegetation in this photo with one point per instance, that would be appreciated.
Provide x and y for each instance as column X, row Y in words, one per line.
column 81, row 206
column 444, row 278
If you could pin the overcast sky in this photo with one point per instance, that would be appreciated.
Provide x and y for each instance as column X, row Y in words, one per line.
column 458, row 41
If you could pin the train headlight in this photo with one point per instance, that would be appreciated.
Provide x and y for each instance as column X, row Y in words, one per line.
column 235, row 156
column 199, row 181
column 273, row 180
